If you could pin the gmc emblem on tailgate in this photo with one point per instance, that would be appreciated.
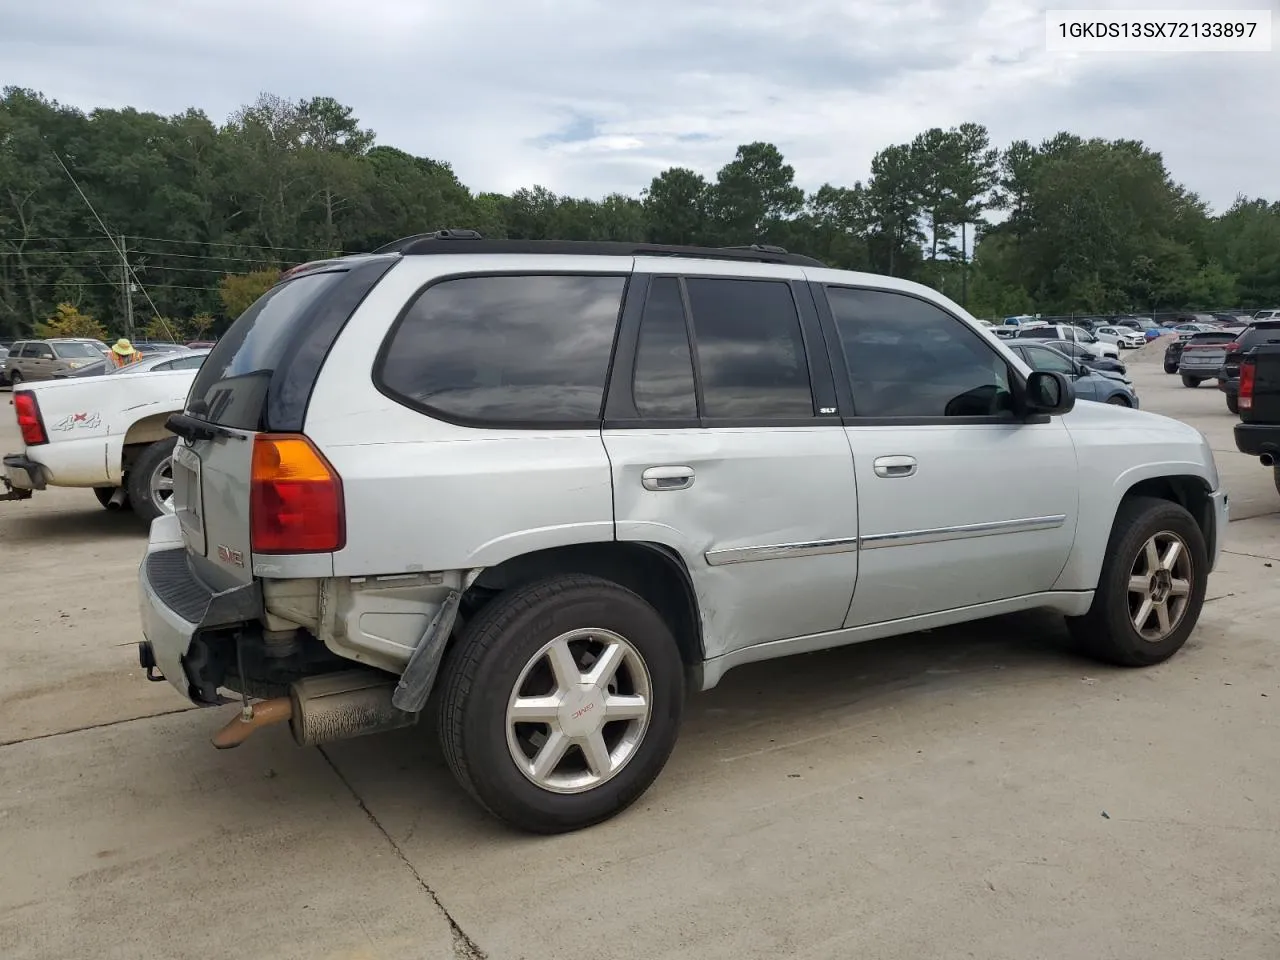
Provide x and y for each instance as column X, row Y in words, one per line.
column 227, row 555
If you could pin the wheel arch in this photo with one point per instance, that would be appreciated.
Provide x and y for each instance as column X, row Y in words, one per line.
column 1191, row 491
column 653, row 571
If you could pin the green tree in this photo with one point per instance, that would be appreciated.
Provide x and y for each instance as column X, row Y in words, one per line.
column 238, row 291
column 67, row 321
column 675, row 205
column 754, row 194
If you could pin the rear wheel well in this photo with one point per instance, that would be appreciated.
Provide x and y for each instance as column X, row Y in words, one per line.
column 141, row 435
column 1189, row 492
column 649, row 570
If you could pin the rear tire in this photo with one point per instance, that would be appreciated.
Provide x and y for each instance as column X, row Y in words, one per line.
column 145, row 483
column 15, row 378
column 1190, row 381
column 1233, row 404
column 1109, row 630
column 1275, row 472
column 1170, row 367
column 511, row 654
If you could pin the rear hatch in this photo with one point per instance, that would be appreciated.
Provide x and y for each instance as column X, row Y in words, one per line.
column 1205, row 351
column 251, row 394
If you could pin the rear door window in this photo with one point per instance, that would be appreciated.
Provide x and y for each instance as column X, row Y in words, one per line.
column 528, row 349
column 751, row 354
column 231, row 387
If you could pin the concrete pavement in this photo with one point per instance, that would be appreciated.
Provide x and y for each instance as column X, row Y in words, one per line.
column 979, row 791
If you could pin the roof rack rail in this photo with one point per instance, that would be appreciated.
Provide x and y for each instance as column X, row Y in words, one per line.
column 398, row 246
column 468, row 241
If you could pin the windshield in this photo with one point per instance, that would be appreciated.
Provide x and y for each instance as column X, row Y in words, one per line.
column 76, row 350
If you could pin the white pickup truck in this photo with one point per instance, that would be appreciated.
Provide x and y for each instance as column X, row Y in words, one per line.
column 105, row 432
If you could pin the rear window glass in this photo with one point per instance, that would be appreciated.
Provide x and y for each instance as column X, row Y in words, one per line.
column 231, row 387
column 507, row 349
column 1262, row 333
column 1212, row 338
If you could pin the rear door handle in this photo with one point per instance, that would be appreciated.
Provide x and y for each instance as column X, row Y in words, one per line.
column 667, row 478
column 898, row 466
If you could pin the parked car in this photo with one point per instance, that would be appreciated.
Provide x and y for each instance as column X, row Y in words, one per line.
column 183, row 359
column 1005, row 333
column 1080, row 354
column 1201, row 356
column 1144, row 325
column 147, row 347
column 358, row 532
column 1123, row 337
column 104, row 432
column 1101, row 386
column 1262, row 331
column 1186, row 330
column 1266, row 315
column 1065, row 331
column 4, row 356
column 1258, row 432
column 31, row 360
column 1216, row 339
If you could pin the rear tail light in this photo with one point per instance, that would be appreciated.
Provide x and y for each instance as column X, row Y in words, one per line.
column 295, row 498
column 1247, row 370
column 30, row 423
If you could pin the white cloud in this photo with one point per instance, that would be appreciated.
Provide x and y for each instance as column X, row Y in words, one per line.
column 589, row 96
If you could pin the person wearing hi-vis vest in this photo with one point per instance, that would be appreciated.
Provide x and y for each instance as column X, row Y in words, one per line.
column 123, row 353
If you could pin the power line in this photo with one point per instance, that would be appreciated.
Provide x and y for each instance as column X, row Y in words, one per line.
column 108, row 283
column 206, row 243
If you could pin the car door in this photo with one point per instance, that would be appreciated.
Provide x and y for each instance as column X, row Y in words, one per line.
column 726, row 448
column 38, row 360
column 961, row 502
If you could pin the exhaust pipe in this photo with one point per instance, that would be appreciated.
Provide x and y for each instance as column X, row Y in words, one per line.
column 335, row 706
column 117, row 499
column 1268, row 459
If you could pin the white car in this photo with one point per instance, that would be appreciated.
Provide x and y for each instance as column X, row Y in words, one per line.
column 547, row 487
column 1123, row 337
column 1066, row 331
column 104, row 432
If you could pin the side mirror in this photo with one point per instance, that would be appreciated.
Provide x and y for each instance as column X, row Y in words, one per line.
column 1049, row 392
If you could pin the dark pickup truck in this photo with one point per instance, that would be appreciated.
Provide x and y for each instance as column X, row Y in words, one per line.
column 1258, row 432
column 1258, row 332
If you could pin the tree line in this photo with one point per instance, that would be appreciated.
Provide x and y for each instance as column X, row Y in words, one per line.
column 181, row 222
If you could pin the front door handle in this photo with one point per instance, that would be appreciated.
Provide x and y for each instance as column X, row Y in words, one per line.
column 667, row 478
column 899, row 466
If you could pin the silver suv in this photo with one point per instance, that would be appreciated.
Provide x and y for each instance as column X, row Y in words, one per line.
column 544, row 488
column 45, row 359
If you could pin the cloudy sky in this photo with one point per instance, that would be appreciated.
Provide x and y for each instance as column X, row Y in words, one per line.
column 591, row 96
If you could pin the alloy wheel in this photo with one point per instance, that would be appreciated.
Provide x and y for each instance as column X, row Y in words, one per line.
column 579, row 711
column 1160, row 586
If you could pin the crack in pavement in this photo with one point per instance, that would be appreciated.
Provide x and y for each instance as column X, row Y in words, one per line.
column 1255, row 556
column 95, row 726
column 464, row 948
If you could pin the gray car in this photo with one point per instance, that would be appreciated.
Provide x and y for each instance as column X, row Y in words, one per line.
column 30, row 360
column 1098, row 385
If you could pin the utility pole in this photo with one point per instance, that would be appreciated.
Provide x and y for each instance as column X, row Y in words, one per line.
column 127, row 284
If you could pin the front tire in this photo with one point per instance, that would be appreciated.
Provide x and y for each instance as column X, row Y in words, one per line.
column 1151, row 589
column 561, row 703
column 1170, row 367
column 150, row 480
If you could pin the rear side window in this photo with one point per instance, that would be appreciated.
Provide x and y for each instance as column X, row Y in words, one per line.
column 38, row 350
column 528, row 349
column 751, row 354
column 231, row 388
